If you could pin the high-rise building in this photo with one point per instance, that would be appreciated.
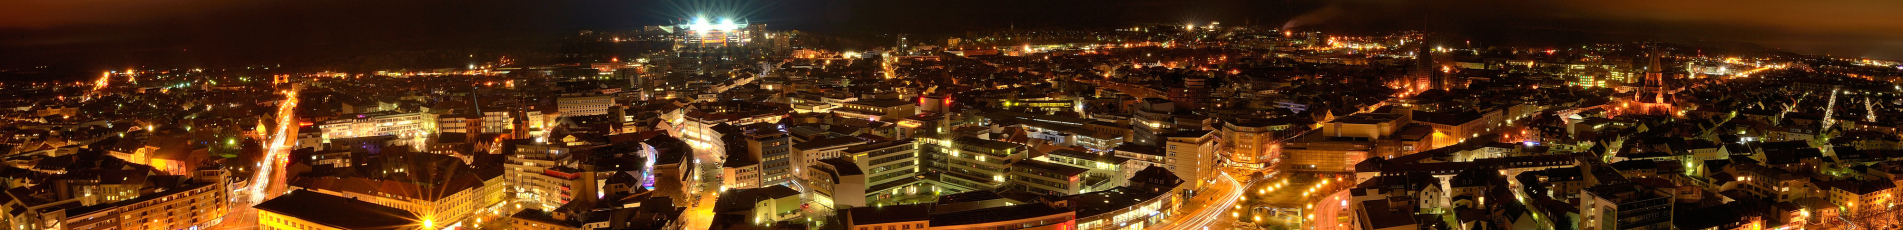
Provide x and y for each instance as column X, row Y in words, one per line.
column 932, row 131
column 774, row 148
column 1191, row 155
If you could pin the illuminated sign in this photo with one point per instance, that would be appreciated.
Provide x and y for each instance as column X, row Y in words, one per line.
column 910, row 124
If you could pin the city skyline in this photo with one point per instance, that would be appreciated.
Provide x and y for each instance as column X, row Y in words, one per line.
column 213, row 34
column 994, row 115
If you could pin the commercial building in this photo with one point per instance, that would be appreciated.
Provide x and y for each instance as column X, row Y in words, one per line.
column 762, row 205
column 892, row 170
column 1154, row 117
column 886, row 217
column 1105, row 170
column 1625, row 206
column 810, row 152
column 963, row 211
column 741, row 169
column 409, row 128
column 1254, row 141
column 979, row 164
column 877, row 109
column 835, row 183
column 190, row 206
column 1153, row 196
column 774, row 149
column 1191, row 154
column 584, row 106
column 1049, row 178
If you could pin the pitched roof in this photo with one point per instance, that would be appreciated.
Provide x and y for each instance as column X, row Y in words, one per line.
column 339, row 212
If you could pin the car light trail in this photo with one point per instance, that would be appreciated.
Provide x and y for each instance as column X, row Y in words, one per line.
column 1210, row 212
column 267, row 181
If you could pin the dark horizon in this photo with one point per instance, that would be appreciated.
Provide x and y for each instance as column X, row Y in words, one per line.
column 221, row 33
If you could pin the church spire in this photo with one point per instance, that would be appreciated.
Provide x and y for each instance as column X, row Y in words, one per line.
column 1653, row 66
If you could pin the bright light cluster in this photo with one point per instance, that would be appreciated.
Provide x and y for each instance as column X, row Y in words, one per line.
column 702, row 24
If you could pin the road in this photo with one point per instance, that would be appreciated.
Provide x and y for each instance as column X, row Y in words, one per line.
column 1328, row 211
column 701, row 216
column 270, row 180
column 1212, row 206
column 700, row 213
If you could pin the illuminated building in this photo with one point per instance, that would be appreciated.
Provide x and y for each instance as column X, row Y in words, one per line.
column 1150, row 200
column 876, row 109
column 741, row 169
column 531, row 219
column 762, row 205
column 1049, row 178
column 1341, row 143
column 834, row 183
column 1426, row 72
column 704, row 31
column 979, row 164
column 1625, row 206
column 1067, row 131
column 544, row 177
column 705, row 35
column 496, row 120
column 1106, row 170
column 892, row 171
column 1455, row 127
column 1191, row 155
column 1154, row 117
column 445, row 201
column 1253, row 141
column 773, row 148
column 810, row 152
column 1046, row 104
column 100, row 186
column 911, row 216
column 1861, row 199
column 410, row 128
column 185, row 207
column 1652, row 96
column 584, row 106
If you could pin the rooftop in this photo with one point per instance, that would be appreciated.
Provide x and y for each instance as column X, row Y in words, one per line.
column 339, row 212
column 890, row 214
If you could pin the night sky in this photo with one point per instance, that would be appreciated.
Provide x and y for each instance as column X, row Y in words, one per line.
column 122, row 33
